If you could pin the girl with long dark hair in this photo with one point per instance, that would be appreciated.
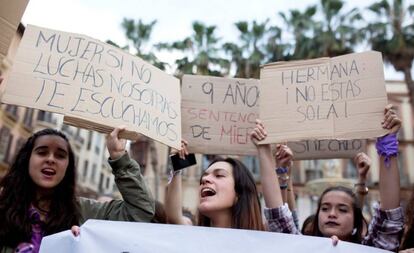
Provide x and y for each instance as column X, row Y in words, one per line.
column 37, row 195
column 339, row 215
column 228, row 197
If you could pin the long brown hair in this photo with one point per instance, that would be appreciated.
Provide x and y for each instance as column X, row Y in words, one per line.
column 18, row 193
column 359, row 220
column 246, row 213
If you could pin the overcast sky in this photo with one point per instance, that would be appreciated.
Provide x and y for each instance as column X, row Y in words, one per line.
column 101, row 19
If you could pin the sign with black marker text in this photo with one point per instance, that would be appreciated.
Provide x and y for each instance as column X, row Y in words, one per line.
column 326, row 149
column 327, row 98
column 219, row 113
column 96, row 85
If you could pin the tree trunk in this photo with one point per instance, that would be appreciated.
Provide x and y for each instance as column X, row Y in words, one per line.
column 410, row 84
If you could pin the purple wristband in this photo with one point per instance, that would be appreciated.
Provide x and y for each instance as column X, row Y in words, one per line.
column 282, row 170
column 387, row 146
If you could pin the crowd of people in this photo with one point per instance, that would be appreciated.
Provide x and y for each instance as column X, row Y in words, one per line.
column 37, row 195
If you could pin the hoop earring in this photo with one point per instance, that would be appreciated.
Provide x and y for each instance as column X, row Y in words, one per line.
column 354, row 231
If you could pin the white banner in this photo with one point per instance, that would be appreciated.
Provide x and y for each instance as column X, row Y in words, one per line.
column 131, row 237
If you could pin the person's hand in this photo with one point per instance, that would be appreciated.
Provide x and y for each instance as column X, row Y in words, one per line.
column 116, row 146
column 183, row 151
column 362, row 163
column 283, row 155
column 258, row 133
column 407, row 251
column 335, row 240
column 75, row 231
column 391, row 120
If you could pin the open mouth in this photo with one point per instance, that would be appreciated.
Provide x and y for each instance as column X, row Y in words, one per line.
column 207, row 192
column 48, row 172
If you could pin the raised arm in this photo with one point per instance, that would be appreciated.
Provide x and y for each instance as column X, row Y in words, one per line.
column 387, row 147
column 278, row 215
column 173, row 199
column 270, row 183
column 362, row 163
column 387, row 224
column 137, row 203
column 290, row 194
column 283, row 157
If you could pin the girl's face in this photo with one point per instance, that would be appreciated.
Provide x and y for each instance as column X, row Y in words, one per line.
column 217, row 188
column 48, row 161
column 336, row 215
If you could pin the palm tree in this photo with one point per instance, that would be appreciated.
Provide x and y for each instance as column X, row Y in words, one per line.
column 258, row 41
column 301, row 25
column 335, row 34
column 276, row 49
column 139, row 34
column 201, row 52
column 393, row 35
column 338, row 32
column 236, row 55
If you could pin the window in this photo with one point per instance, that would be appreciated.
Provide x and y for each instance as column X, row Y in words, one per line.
column 350, row 170
column 100, row 185
column 89, row 140
column 45, row 116
column 28, row 118
column 93, row 173
column 12, row 111
column 85, row 170
column 19, row 144
column 312, row 174
column 9, row 156
column 98, row 144
column 76, row 161
column 41, row 115
column 5, row 141
column 107, row 183
column 97, row 149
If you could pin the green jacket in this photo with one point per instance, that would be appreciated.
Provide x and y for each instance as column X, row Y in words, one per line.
column 137, row 203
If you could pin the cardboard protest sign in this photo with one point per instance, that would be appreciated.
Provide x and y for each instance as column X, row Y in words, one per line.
column 96, row 85
column 115, row 236
column 218, row 114
column 326, row 149
column 339, row 98
column 11, row 12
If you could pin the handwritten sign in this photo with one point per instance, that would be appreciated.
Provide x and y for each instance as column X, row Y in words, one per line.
column 218, row 114
column 95, row 85
column 11, row 11
column 338, row 98
column 131, row 237
column 326, row 149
